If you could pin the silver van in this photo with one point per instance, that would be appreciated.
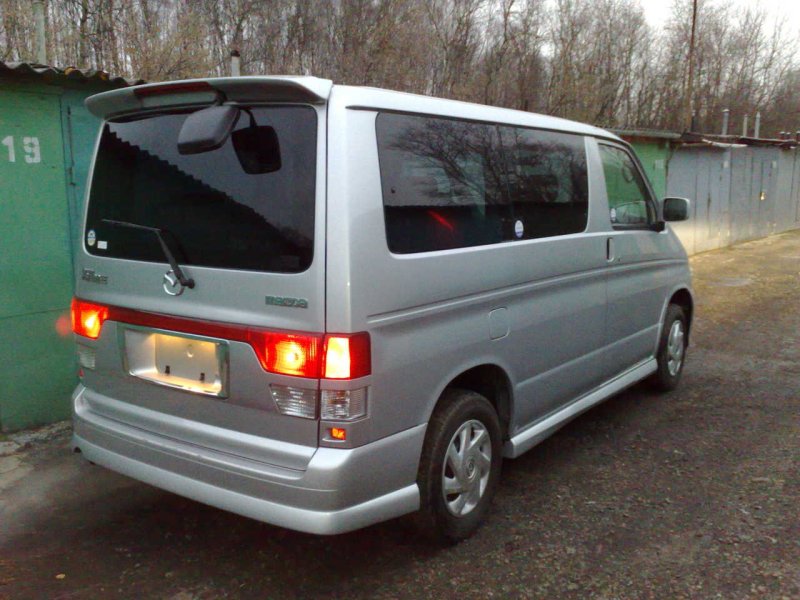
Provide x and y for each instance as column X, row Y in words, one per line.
column 325, row 306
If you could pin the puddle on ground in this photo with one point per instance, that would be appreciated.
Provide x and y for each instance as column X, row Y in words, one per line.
column 734, row 281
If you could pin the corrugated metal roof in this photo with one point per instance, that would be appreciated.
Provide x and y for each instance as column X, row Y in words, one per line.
column 646, row 133
column 736, row 141
column 51, row 73
column 695, row 139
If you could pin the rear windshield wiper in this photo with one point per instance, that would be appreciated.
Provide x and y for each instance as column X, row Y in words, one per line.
column 176, row 268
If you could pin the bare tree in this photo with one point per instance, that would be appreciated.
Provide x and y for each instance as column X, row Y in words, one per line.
column 591, row 60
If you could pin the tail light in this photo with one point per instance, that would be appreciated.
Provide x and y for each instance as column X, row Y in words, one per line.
column 334, row 356
column 343, row 405
column 313, row 356
column 88, row 318
column 295, row 401
column 87, row 357
column 288, row 353
column 339, row 356
column 347, row 356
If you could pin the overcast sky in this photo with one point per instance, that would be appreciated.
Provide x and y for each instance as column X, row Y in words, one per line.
column 657, row 11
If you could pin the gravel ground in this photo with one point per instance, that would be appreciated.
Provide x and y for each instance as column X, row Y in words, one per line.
column 693, row 494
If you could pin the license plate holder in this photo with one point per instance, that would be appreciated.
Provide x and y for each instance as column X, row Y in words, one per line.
column 178, row 360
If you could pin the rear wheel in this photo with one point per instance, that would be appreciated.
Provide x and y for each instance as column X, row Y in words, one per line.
column 460, row 466
column 671, row 350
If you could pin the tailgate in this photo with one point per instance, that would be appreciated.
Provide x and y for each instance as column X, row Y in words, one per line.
column 252, row 241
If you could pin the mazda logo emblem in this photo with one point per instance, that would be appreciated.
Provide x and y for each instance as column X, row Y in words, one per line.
column 171, row 284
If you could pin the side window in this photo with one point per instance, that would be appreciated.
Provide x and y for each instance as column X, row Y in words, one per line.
column 442, row 183
column 628, row 198
column 547, row 181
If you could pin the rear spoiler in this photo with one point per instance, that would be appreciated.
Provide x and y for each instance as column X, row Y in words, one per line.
column 309, row 90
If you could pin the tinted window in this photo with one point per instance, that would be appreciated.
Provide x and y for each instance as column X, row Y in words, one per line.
column 627, row 193
column 442, row 183
column 217, row 214
column 451, row 184
column 547, row 182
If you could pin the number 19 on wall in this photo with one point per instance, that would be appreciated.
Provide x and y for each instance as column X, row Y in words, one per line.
column 30, row 149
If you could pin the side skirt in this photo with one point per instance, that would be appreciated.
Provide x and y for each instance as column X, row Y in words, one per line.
column 538, row 432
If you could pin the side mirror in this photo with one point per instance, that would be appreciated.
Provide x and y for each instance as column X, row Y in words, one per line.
column 207, row 129
column 257, row 149
column 676, row 209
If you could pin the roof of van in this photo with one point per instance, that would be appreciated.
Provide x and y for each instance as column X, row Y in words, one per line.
column 380, row 99
column 285, row 88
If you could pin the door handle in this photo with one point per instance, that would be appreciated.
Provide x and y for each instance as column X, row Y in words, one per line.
column 610, row 251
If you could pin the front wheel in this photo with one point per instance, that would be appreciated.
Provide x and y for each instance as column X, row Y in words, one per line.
column 460, row 466
column 671, row 350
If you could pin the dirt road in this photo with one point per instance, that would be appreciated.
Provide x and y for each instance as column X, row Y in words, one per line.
column 694, row 494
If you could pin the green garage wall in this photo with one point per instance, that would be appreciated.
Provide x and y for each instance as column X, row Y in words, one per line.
column 46, row 140
column 80, row 128
column 654, row 156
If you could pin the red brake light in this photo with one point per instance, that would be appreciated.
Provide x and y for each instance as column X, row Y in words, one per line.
column 339, row 356
column 288, row 353
column 334, row 357
column 347, row 356
column 88, row 318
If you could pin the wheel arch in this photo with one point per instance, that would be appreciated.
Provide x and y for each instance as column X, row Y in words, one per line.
column 683, row 298
column 489, row 380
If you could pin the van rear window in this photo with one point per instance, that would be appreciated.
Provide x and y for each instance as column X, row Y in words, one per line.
column 453, row 184
column 216, row 214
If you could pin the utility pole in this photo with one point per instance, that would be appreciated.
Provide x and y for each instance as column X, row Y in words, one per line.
column 236, row 69
column 39, row 25
column 688, row 118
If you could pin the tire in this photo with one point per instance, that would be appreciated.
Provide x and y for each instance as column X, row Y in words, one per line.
column 671, row 350
column 461, row 415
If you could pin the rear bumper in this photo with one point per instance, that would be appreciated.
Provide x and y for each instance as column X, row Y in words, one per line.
column 339, row 491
